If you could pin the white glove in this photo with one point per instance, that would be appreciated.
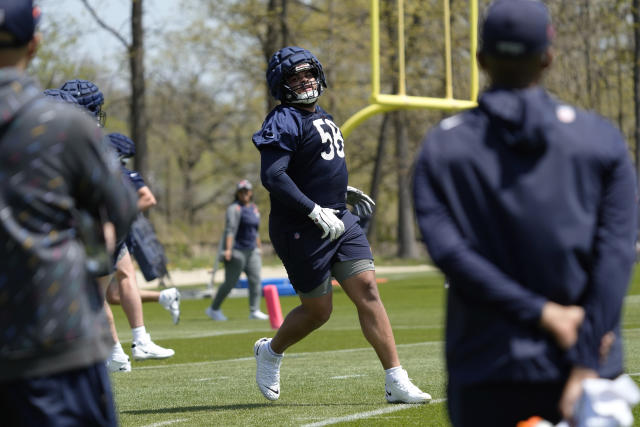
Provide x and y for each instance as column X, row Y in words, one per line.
column 607, row 402
column 362, row 204
column 327, row 220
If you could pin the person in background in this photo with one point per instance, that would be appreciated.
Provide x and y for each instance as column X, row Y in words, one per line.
column 241, row 251
column 527, row 205
column 61, row 199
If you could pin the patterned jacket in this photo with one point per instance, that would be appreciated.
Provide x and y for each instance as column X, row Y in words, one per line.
column 54, row 170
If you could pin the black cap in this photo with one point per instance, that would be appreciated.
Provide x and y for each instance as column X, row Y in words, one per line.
column 18, row 19
column 516, row 28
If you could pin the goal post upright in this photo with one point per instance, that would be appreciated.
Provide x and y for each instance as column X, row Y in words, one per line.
column 380, row 103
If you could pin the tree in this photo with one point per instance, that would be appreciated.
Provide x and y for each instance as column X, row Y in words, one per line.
column 138, row 123
column 636, row 83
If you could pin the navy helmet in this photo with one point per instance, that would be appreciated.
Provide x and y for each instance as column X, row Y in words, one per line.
column 123, row 145
column 88, row 95
column 61, row 95
column 287, row 62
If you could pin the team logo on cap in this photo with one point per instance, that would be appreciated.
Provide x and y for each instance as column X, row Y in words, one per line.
column 566, row 113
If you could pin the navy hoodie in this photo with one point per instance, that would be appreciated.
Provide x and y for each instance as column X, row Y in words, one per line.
column 521, row 201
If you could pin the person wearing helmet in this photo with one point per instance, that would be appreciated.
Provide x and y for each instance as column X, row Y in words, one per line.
column 91, row 98
column 88, row 96
column 240, row 248
column 125, row 148
column 303, row 167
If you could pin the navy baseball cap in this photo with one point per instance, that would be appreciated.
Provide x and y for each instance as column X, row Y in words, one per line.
column 516, row 28
column 18, row 19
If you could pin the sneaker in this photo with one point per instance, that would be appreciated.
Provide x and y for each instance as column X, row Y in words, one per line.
column 401, row 390
column 147, row 349
column 215, row 314
column 119, row 363
column 257, row 314
column 267, row 369
column 170, row 300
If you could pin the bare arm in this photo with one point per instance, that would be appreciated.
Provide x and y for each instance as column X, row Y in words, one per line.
column 146, row 199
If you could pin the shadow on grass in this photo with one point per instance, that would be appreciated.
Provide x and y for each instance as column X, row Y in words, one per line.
column 231, row 407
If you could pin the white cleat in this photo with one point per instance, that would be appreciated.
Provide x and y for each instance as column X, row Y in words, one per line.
column 257, row 314
column 147, row 349
column 402, row 390
column 267, row 369
column 119, row 363
column 170, row 300
column 215, row 314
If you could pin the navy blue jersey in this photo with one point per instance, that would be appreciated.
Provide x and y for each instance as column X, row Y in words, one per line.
column 135, row 178
column 313, row 148
column 521, row 201
column 247, row 227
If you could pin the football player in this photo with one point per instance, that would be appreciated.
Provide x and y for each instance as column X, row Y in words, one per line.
column 91, row 98
column 303, row 167
column 169, row 298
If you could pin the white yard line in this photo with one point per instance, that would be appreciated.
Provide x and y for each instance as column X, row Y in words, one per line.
column 368, row 414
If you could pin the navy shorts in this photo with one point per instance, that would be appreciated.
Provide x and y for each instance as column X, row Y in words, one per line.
column 81, row 397
column 503, row 404
column 308, row 258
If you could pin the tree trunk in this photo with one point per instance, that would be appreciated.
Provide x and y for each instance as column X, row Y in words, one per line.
column 407, row 246
column 284, row 28
column 138, row 119
column 586, row 11
column 376, row 177
column 636, row 84
column 277, row 37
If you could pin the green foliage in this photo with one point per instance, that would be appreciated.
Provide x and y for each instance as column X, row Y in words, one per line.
column 206, row 93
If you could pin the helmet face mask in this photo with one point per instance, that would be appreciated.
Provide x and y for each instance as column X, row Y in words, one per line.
column 124, row 160
column 301, row 85
column 101, row 117
column 293, row 61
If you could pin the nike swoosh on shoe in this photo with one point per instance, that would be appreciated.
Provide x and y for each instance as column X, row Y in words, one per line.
column 272, row 390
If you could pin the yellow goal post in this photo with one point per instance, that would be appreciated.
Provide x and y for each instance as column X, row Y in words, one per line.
column 380, row 103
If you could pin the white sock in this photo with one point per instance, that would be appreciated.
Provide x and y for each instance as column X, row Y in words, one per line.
column 117, row 349
column 392, row 373
column 273, row 353
column 139, row 334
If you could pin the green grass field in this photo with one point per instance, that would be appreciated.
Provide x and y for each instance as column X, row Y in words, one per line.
column 331, row 377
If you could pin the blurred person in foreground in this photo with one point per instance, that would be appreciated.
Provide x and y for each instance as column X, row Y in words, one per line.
column 57, row 182
column 527, row 205
column 241, row 250
column 303, row 167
